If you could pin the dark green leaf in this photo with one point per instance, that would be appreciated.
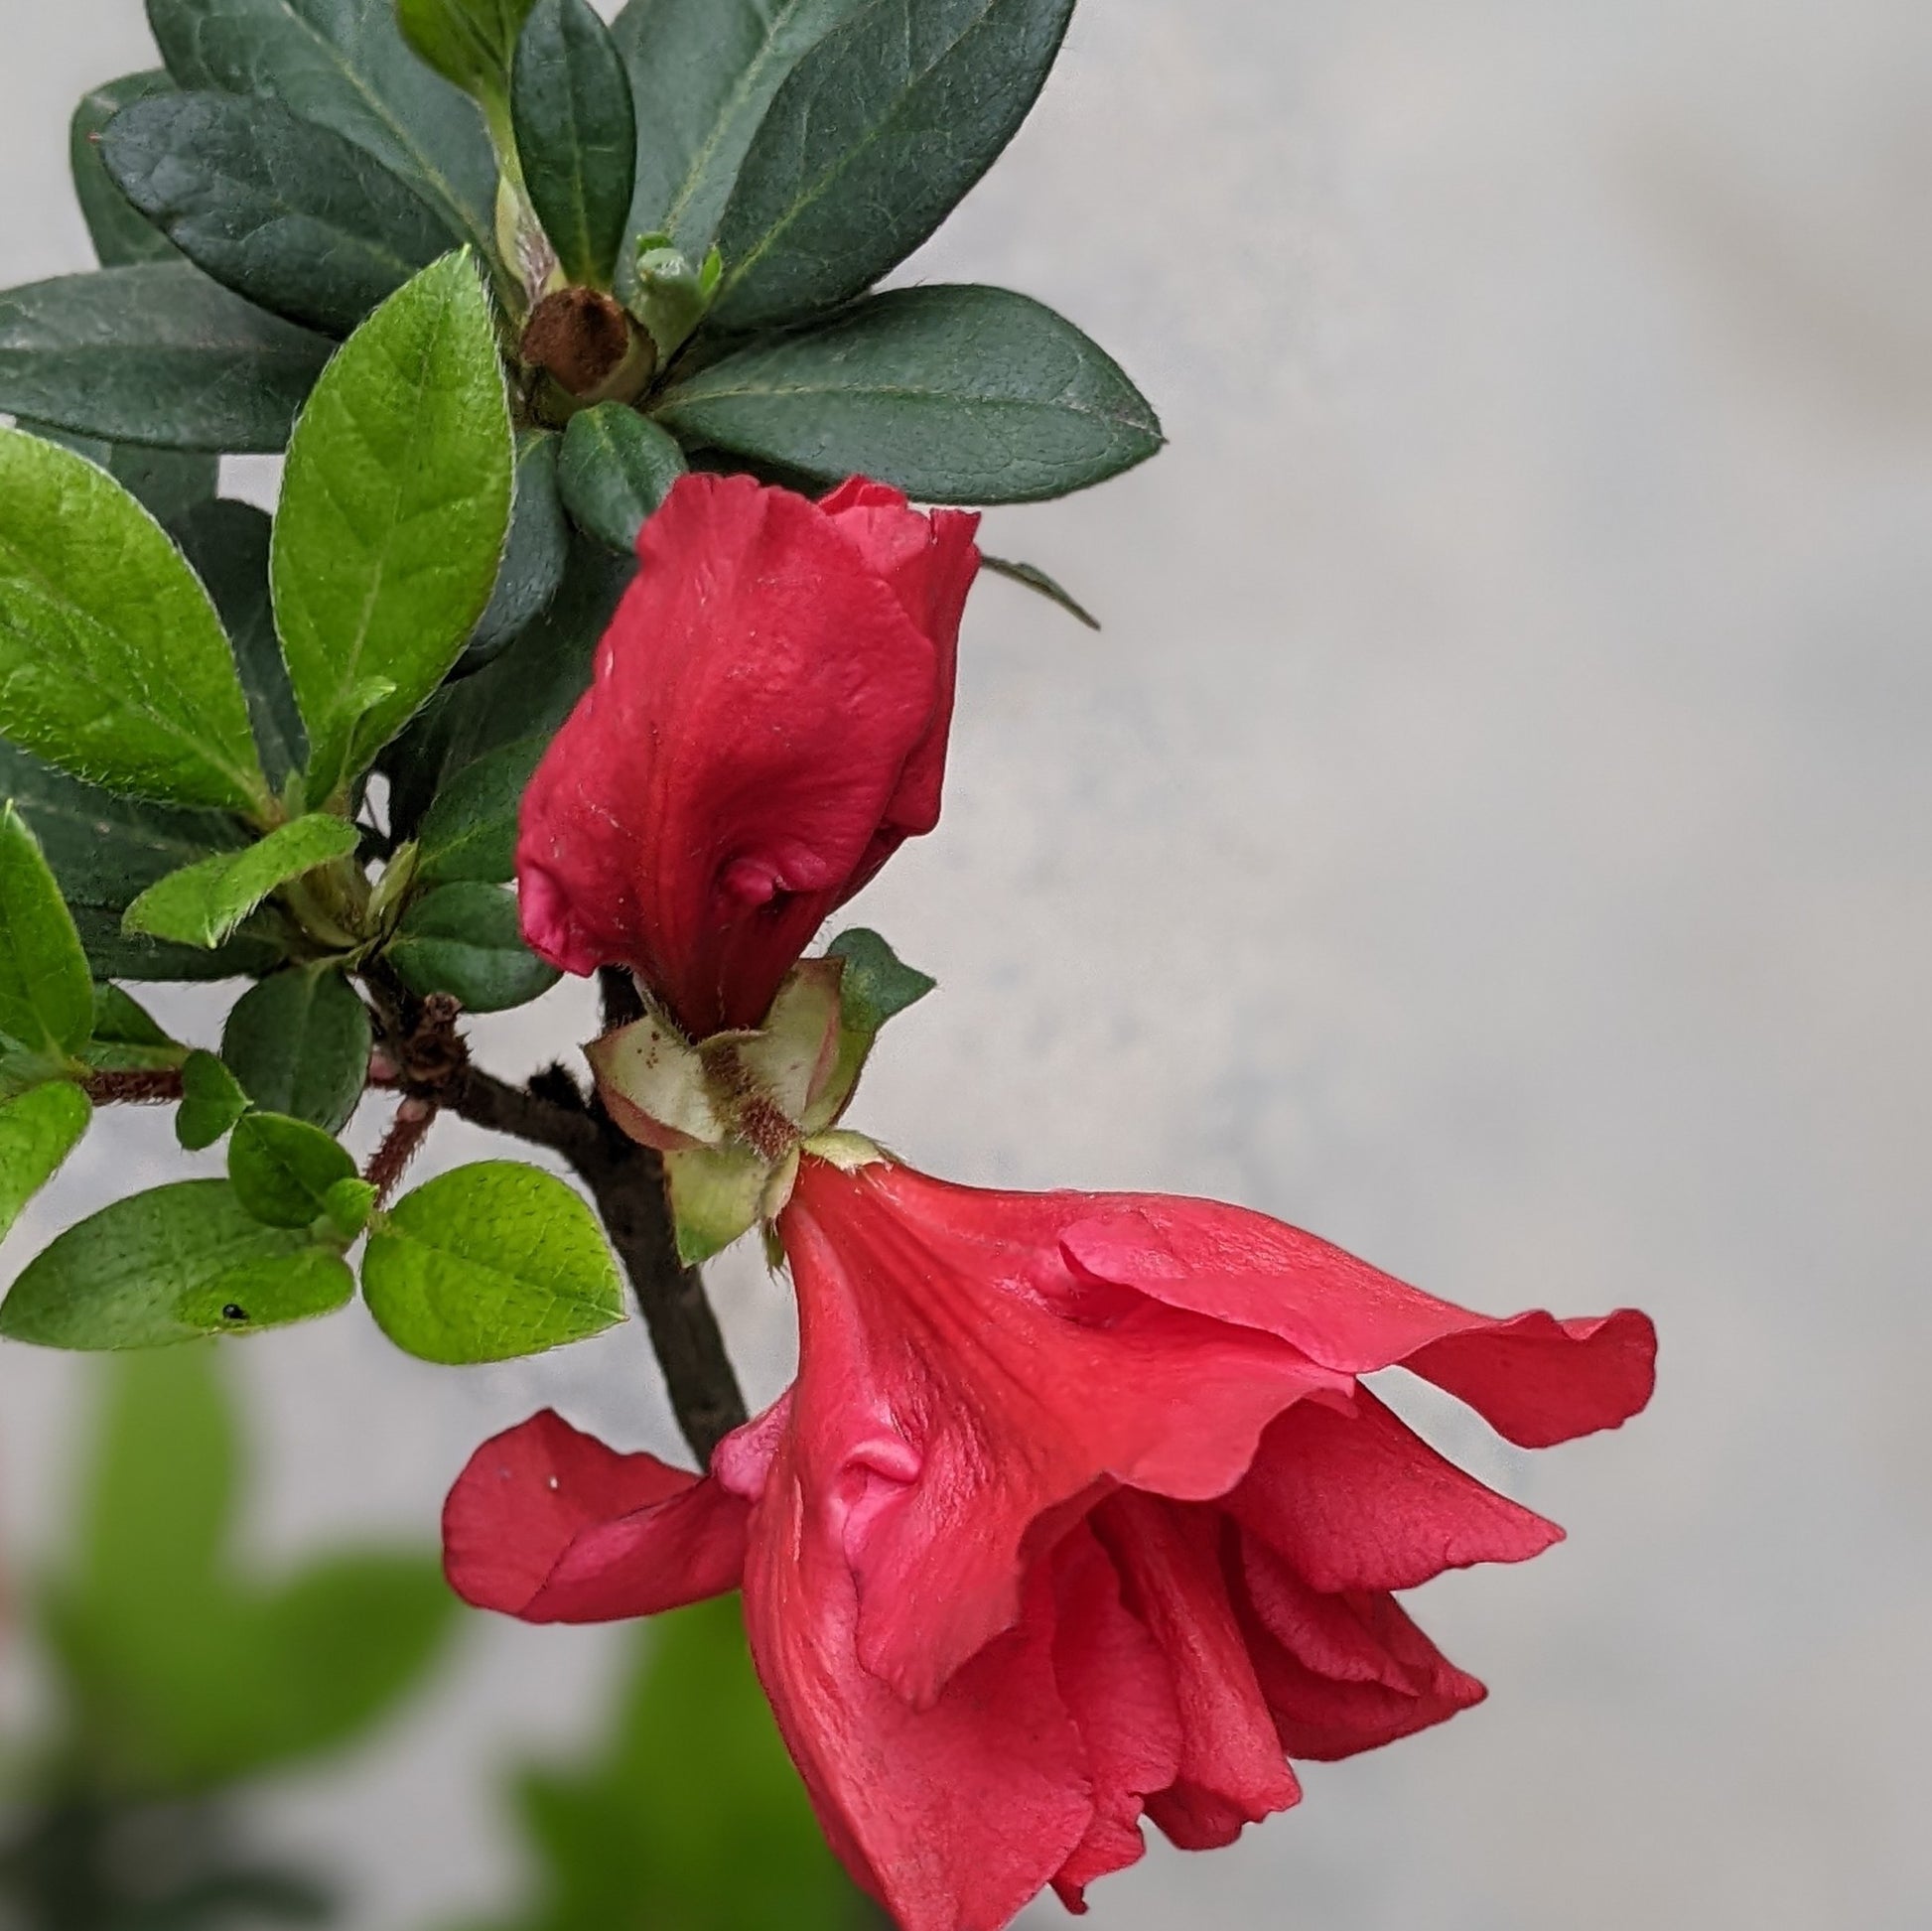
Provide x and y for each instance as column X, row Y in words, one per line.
column 211, row 1101
column 260, row 946
column 1038, row 580
column 46, row 998
column 227, row 543
column 166, row 482
column 871, row 142
column 470, row 832
column 469, row 42
column 38, row 1131
column 282, row 1170
column 615, row 470
column 877, row 984
column 154, row 352
column 490, row 1262
column 464, row 939
column 953, row 394
column 576, row 135
column 121, row 234
column 300, row 220
column 126, row 1038
column 112, row 660
column 167, row 1266
column 704, row 72
column 393, row 516
column 299, row 1043
column 343, row 64
column 204, row 905
column 653, row 1828
column 534, row 559
column 528, row 690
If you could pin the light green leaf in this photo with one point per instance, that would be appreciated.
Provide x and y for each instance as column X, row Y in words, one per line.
column 120, row 233
column 154, row 353
column 470, row 831
column 38, row 1131
column 299, row 1043
column 615, row 470
column 167, row 1266
column 468, row 42
column 112, row 662
column 490, row 1262
column 282, row 1170
column 227, row 544
column 464, row 939
column 166, row 482
column 393, row 515
column 953, row 394
column 875, row 135
column 46, row 998
column 295, row 217
column 704, row 72
column 1038, row 580
column 533, row 563
column 715, row 1194
column 126, row 1038
column 576, row 135
column 347, row 1205
column 343, row 65
column 211, row 1101
column 204, row 904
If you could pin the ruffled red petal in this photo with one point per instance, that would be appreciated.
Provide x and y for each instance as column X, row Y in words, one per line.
column 547, row 1524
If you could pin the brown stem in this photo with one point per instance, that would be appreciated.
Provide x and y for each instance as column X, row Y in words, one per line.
column 145, row 1087
column 400, row 1145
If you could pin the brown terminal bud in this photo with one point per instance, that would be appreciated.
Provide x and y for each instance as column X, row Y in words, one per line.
column 589, row 345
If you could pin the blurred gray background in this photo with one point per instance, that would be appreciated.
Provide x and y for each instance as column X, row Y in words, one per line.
column 1491, row 831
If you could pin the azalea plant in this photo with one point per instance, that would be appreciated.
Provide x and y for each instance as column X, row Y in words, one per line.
column 597, row 631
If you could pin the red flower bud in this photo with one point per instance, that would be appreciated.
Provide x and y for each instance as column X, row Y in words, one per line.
column 766, row 723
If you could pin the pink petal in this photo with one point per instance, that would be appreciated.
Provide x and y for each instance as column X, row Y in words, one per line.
column 1232, row 1773
column 955, row 1816
column 548, row 1524
column 1115, row 1681
column 1355, row 1500
column 961, row 1397
column 1536, row 1380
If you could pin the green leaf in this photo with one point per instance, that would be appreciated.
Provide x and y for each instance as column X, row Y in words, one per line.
column 464, row 939
column 576, row 135
column 470, row 832
column 704, row 72
column 874, row 986
column 227, row 544
column 203, row 905
column 487, row 1263
column 282, row 1170
column 347, row 1205
column 300, row 220
column 167, row 1266
column 528, row 690
column 534, row 559
column 46, row 998
column 112, row 660
column 615, row 469
column 154, row 353
column 469, row 42
column 166, row 482
column 953, row 394
column 1038, row 580
column 126, row 1038
column 715, row 1193
column 120, row 233
column 299, row 1043
column 343, row 64
column 211, row 1101
column 393, row 516
column 865, row 149
column 652, row 1829
column 38, row 1131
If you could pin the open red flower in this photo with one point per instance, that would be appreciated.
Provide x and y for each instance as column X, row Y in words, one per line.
column 766, row 724
column 1078, row 1511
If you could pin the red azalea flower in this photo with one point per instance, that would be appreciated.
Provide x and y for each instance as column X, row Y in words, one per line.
column 1077, row 1510
column 766, row 724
